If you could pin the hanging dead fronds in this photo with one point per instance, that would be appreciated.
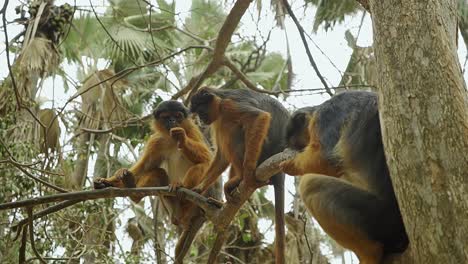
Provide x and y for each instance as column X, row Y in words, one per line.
column 100, row 95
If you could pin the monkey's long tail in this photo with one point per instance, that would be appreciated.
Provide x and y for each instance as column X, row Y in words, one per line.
column 280, row 235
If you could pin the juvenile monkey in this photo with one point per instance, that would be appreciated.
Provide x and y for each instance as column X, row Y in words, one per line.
column 176, row 155
column 346, row 184
column 247, row 128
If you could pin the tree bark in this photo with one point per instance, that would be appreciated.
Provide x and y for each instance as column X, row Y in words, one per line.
column 424, row 118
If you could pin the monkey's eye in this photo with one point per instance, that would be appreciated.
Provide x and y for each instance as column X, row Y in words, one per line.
column 178, row 115
column 164, row 115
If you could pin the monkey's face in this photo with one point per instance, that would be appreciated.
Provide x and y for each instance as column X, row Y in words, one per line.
column 297, row 135
column 170, row 114
column 201, row 104
column 171, row 119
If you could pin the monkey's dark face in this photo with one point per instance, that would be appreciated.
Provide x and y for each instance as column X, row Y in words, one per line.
column 201, row 104
column 170, row 114
column 297, row 136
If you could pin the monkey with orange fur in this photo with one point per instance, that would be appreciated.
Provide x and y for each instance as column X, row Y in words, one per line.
column 175, row 155
column 346, row 184
column 247, row 128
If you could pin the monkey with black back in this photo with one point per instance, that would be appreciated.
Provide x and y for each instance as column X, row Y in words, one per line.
column 176, row 155
column 346, row 184
column 247, row 128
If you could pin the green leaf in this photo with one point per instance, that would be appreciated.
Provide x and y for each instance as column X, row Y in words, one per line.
column 206, row 18
column 85, row 38
column 126, row 8
column 330, row 12
column 246, row 237
column 269, row 70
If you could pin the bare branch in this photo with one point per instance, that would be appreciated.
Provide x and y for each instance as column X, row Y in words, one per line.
column 49, row 210
column 223, row 40
column 203, row 202
column 20, row 166
column 226, row 62
column 121, row 74
column 224, row 217
column 270, row 166
column 221, row 217
column 31, row 235
column 306, row 46
column 22, row 249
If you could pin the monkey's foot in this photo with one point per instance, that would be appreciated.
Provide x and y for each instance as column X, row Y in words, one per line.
column 101, row 183
column 230, row 188
column 232, row 197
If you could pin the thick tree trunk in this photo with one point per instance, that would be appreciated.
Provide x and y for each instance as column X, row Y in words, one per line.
column 424, row 115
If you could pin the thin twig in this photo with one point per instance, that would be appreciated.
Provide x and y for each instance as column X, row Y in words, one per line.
column 31, row 235
column 222, row 41
column 19, row 226
column 121, row 74
column 50, row 185
column 221, row 218
column 110, row 36
column 111, row 192
column 19, row 166
column 244, row 79
column 304, row 221
column 22, row 249
column 306, row 46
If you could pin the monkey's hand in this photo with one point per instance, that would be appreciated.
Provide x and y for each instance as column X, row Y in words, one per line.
column 174, row 185
column 121, row 178
column 289, row 168
column 200, row 188
column 173, row 188
column 179, row 135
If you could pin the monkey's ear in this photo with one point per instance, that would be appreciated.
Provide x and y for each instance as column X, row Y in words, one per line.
column 156, row 114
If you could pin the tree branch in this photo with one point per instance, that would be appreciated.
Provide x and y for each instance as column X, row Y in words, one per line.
column 52, row 209
column 221, row 217
column 267, row 169
column 31, row 235
column 112, row 192
column 224, row 217
column 223, row 40
column 226, row 62
column 306, row 46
